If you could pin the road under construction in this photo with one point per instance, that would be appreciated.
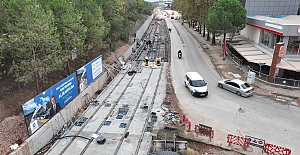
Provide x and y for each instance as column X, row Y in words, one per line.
column 119, row 121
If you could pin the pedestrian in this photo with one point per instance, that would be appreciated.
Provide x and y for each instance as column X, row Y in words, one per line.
column 146, row 60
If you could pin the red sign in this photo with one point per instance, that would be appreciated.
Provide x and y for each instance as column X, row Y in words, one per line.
column 281, row 51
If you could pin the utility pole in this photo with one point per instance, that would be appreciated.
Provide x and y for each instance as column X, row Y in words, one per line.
column 277, row 54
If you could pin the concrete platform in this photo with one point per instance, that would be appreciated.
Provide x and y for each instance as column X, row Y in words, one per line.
column 127, row 100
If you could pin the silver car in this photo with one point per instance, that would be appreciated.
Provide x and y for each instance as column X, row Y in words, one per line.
column 237, row 86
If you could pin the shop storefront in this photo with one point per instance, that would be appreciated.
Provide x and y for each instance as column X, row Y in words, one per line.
column 267, row 31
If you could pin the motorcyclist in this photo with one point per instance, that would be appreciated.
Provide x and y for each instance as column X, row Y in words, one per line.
column 179, row 53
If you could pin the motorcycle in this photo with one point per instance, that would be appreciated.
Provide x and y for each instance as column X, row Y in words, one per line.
column 179, row 55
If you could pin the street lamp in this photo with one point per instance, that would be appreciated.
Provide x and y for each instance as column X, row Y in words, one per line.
column 260, row 64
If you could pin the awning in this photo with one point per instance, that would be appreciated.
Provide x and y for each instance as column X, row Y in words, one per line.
column 257, row 58
column 255, row 55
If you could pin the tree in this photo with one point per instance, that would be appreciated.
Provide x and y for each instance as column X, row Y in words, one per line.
column 204, row 6
column 226, row 16
column 111, row 13
column 93, row 20
column 31, row 42
column 72, row 32
column 39, row 36
column 2, row 37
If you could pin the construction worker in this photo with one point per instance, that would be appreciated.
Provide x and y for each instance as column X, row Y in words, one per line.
column 146, row 60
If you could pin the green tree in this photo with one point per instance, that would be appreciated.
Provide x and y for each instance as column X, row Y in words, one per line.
column 226, row 16
column 148, row 8
column 2, row 37
column 31, row 42
column 72, row 32
column 93, row 20
column 114, row 14
column 134, row 10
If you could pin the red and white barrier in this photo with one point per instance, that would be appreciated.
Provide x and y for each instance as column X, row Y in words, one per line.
column 273, row 149
column 238, row 140
column 204, row 131
column 187, row 122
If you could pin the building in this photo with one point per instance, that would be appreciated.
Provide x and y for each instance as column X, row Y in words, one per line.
column 270, row 22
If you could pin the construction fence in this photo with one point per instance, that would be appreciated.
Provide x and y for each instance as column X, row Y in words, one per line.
column 243, row 141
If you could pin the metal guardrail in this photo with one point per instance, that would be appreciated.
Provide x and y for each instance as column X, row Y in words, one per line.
column 234, row 58
column 139, row 51
column 282, row 82
column 166, row 50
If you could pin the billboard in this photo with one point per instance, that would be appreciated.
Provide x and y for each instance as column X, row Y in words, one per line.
column 44, row 106
column 88, row 73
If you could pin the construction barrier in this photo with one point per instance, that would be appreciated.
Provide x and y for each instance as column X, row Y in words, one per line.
column 204, row 131
column 273, row 149
column 238, row 140
column 187, row 122
column 256, row 141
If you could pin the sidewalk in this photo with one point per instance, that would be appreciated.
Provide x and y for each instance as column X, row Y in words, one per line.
column 227, row 69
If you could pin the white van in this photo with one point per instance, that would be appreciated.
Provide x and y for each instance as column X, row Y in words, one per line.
column 196, row 84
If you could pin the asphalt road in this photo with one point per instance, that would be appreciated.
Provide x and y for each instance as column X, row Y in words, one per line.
column 274, row 121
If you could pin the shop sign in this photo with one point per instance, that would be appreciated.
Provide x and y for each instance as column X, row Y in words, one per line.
column 281, row 51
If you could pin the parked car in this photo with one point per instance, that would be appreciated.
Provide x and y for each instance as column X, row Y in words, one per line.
column 196, row 28
column 237, row 86
column 196, row 84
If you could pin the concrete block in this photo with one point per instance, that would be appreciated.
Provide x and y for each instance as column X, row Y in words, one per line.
column 237, row 76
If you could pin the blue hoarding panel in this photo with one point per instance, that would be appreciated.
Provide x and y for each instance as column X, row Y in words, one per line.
column 66, row 90
column 88, row 73
column 40, row 109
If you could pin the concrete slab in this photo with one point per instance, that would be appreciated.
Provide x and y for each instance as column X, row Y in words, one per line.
column 129, row 145
column 58, row 147
column 146, row 143
column 107, row 148
column 78, row 144
column 96, row 120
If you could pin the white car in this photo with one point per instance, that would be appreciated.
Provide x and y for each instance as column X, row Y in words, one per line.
column 237, row 86
column 196, row 84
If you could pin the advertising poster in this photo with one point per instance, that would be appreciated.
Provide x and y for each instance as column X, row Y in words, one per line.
column 88, row 73
column 43, row 107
